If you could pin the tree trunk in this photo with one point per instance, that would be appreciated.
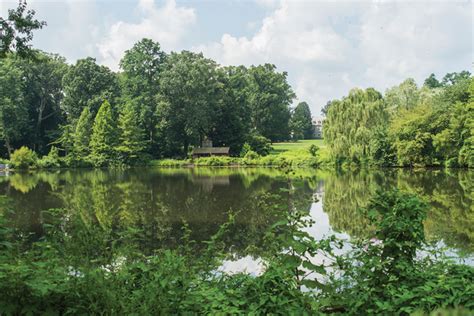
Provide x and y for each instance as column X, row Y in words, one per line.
column 39, row 121
column 9, row 148
column 186, row 146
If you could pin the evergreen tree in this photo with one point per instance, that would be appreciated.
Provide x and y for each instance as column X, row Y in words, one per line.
column 103, row 137
column 132, row 142
column 142, row 66
column 301, row 122
column 82, row 135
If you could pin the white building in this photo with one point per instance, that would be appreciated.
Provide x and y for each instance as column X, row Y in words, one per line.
column 318, row 127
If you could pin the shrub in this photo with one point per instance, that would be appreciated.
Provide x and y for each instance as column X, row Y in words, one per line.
column 313, row 150
column 24, row 158
column 52, row 160
column 260, row 144
column 245, row 149
column 251, row 155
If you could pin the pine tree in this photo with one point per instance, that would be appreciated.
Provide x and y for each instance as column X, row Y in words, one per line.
column 104, row 136
column 301, row 122
column 132, row 142
column 82, row 135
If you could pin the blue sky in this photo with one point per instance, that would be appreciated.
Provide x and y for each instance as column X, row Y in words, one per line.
column 327, row 47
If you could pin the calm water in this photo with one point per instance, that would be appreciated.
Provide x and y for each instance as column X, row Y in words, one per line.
column 160, row 200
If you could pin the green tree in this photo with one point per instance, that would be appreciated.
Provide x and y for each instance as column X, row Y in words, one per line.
column 187, row 105
column 132, row 142
column 142, row 65
column 231, row 125
column 412, row 135
column 301, row 121
column 17, row 30
column 403, row 96
column 431, row 82
column 270, row 97
column 104, row 137
column 453, row 78
column 82, row 134
column 87, row 84
column 325, row 109
column 24, row 158
column 43, row 95
column 14, row 118
column 351, row 124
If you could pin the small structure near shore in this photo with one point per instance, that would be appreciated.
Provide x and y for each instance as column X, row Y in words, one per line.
column 4, row 167
column 207, row 150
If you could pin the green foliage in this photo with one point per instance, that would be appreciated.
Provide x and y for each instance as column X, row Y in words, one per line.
column 313, row 150
column 270, row 97
column 260, row 144
column 24, row 158
column 17, row 30
column 82, row 134
column 432, row 82
column 103, row 137
column 142, row 66
column 87, row 84
column 132, row 144
column 13, row 112
column 301, row 123
column 52, row 160
column 188, row 100
column 87, row 263
column 404, row 96
column 389, row 277
column 245, row 149
column 416, row 127
column 250, row 155
column 351, row 123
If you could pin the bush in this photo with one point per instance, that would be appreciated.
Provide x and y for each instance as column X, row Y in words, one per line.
column 251, row 155
column 24, row 158
column 52, row 160
column 260, row 144
column 313, row 150
column 245, row 149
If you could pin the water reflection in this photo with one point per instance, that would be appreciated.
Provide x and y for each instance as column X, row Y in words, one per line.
column 158, row 201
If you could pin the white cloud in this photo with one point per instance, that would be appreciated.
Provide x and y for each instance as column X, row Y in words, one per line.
column 401, row 40
column 329, row 47
column 167, row 25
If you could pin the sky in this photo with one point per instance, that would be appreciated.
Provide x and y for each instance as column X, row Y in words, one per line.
column 326, row 47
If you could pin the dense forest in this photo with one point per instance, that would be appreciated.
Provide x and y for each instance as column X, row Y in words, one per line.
column 431, row 125
column 159, row 105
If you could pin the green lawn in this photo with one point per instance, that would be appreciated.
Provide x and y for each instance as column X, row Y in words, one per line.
column 279, row 148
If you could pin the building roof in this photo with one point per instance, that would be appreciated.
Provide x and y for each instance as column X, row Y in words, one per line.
column 211, row 150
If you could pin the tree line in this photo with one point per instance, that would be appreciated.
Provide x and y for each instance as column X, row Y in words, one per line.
column 431, row 125
column 158, row 105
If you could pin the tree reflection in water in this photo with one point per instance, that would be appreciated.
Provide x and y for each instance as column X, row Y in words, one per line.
column 147, row 207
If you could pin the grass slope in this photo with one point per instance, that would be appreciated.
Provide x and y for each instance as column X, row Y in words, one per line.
column 287, row 153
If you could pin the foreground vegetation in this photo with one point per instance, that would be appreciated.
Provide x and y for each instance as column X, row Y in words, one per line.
column 79, row 268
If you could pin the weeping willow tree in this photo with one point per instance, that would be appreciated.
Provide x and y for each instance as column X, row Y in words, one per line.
column 352, row 123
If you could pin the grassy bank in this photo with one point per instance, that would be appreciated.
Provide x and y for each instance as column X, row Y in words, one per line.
column 294, row 154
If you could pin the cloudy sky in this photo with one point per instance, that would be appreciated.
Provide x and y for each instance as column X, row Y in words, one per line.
column 327, row 47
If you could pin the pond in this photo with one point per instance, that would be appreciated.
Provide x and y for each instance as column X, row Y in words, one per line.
column 159, row 201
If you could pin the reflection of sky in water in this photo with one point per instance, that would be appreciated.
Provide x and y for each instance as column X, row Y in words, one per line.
column 319, row 230
column 247, row 264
